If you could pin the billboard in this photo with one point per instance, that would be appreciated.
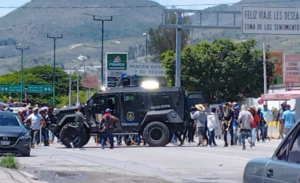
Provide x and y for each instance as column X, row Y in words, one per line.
column 291, row 69
column 145, row 69
column 270, row 20
column 276, row 58
column 116, row 61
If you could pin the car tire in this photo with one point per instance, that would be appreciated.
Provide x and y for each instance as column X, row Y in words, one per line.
column 69, row 133
column 156, row 134
column 26, row 154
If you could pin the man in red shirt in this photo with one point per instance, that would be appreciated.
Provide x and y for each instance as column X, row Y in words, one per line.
column 254, row 125
column 107, row 125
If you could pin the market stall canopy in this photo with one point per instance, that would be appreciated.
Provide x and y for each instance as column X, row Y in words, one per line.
column 286, row 95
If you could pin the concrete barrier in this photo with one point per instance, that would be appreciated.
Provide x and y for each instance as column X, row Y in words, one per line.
column 273, row 129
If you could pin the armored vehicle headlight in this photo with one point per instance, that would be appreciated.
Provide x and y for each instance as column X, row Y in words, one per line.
column 150, row 84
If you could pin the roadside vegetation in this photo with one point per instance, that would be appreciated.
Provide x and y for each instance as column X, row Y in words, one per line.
column 9, row 161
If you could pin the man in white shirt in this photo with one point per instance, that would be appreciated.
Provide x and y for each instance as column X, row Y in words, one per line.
column 212, row 125
column 36, row 122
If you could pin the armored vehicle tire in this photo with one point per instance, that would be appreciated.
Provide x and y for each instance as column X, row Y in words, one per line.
column 156, row 134
column 68, row 134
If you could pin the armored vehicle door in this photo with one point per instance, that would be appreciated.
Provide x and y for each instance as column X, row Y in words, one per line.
column 98, row 105
column 133, row 110
column 194, row 98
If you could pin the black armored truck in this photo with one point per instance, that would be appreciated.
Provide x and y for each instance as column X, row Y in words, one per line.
column 153, row 113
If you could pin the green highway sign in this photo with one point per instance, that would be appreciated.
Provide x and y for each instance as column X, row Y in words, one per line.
column 10, row 88
column 116, row 61
column 39, row 89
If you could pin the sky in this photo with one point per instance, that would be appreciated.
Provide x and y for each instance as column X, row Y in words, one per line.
column 17, row 3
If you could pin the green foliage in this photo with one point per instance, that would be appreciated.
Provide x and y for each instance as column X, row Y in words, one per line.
column 224, row 70
column 163, row 39
column 42, row 75
column 9, row 161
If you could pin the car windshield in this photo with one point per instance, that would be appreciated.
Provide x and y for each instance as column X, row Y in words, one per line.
column 9, row 120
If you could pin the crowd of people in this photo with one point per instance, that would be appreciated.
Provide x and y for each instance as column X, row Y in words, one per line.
column 241, row 123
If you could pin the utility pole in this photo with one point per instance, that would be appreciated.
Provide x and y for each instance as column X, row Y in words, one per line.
column 54, row 66
column 265, row 69
column 70, row 89
column 22, row 64
column 102, row 48
column 179, row 26
column 146, row 49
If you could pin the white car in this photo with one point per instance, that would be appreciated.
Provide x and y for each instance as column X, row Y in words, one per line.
column 282, row 167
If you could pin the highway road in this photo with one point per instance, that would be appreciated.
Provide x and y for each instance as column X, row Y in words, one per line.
column 144, row 164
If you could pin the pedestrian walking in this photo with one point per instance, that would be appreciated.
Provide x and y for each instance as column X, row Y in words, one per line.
column 79, row 125
column 36, row 122
column 227, row 123
column 245, row 119
column 212, row 125
column 200, row 117
column 280, row 120
column 254, row 124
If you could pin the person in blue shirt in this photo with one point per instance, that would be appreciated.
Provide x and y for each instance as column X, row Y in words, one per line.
column 288, row 118
column 264, row 124
column 235, row 124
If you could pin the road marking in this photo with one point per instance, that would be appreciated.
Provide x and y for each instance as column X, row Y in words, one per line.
column 217, row 155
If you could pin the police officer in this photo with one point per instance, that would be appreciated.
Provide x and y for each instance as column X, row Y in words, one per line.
column 79, row 124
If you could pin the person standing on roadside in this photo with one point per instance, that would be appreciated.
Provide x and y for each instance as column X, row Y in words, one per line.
column 212, row 125
column 200, row 117
column 107, row 125
column 79, row 125
column 267, row 117
column 36, row 122
column 245, row 119
column 254, row 124
column 288, row 118
column 235, row 125
column 220, row 115
column 280, row 120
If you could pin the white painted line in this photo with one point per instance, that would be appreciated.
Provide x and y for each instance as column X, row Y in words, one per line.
column 216, row 155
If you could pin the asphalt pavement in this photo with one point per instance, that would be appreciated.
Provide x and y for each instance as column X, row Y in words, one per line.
column 143, row 164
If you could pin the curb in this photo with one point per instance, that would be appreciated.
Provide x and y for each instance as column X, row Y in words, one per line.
column 28, row 175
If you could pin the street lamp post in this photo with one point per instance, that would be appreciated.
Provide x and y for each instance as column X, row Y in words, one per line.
column 102, row 50
column 22, row 64
column 83, row 58
column 54, row 48
column 77, row 95
column 146, row 43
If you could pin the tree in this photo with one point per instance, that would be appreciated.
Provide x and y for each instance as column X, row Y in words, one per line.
column 41, row 75
column 224, row 70
column 163, row 39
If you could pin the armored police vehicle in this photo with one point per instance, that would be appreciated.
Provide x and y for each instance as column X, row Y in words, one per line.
column 153, row 113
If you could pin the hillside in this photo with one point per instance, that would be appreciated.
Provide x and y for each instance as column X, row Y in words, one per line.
column 82, row 35
column 30, row 26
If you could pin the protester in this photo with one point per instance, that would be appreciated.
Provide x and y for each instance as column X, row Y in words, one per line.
column 107, row 125
column 79, row 125
column 288, row 118
column 212, row 125
column 256, row 120
column 245, row 119
column 227, row 123
column 200, row 117
column 280, row 120
column 36, row 122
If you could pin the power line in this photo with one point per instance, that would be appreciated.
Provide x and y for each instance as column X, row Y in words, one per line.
column 150, row 6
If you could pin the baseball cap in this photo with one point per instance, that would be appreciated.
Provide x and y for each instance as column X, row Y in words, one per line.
column 108, row 110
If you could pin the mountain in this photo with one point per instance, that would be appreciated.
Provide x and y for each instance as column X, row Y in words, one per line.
column 30, row 24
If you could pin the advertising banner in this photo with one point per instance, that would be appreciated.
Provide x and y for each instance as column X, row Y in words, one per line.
column 276, row 58
column 116, row 61
column 291, row 69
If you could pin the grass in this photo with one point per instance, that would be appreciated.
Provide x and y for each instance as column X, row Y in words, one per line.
column 9, row 161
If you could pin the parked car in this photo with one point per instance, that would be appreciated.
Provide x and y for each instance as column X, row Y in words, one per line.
column 282, row 167
column 14, row 136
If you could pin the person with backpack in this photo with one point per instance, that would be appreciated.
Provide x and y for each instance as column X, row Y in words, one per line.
column 107, row 125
